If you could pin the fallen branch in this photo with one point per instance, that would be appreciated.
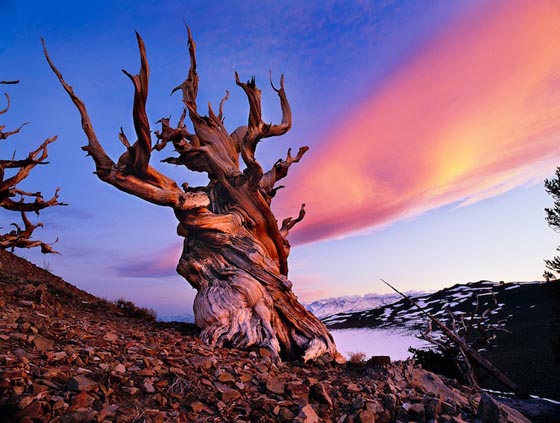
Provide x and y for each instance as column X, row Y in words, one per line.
column 465, row 348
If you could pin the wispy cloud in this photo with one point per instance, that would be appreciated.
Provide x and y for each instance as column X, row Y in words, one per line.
column 474, row 113
column 159, row 264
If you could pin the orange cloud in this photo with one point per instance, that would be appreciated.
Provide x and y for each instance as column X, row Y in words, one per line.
column 474, row 113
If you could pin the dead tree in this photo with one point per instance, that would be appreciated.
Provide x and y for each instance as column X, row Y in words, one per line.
column 14, row 199
column 455, row 340
column 475, row 329
column 235, row 253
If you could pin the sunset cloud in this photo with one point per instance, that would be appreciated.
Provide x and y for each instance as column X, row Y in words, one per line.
column 474, row 113
column 160, row 263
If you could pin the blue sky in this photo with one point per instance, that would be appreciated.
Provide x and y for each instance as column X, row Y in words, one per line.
column 350, row 67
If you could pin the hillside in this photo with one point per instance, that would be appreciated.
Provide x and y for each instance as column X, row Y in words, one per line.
column 529, row 311
column 67, row 356
column 326, row 307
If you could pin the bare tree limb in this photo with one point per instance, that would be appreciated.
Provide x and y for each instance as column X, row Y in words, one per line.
column 103, row 162
column 21, row 237
column 189, row 86
column 133, row 174
column 35, row 157
column 7, row 105
column 282, row 128
column 142, row 149
column 4, row 135
column 279, row 171
column 290, row 222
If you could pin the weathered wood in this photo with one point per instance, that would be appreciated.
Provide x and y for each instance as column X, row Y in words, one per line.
column 234, row 254
column 21, row 237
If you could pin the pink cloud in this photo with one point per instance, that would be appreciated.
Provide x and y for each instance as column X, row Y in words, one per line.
column 159, row 264
column 310, row 286
column 474, row 113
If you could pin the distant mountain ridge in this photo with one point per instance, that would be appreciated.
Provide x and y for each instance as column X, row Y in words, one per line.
column 183, row 317
column 326, row 307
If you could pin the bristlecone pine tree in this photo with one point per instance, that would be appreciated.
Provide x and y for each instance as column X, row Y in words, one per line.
column 14, row 199
column 552, row 186
column 235, row 254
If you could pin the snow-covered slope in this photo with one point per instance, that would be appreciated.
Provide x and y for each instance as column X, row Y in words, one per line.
column 458, row 299
column 354, row 303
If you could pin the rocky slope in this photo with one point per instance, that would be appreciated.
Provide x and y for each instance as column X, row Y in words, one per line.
column 66, row 356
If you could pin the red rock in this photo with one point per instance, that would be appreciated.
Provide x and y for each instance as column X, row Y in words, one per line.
column 246, row 377
column 34, row 411
column 110, row 336
column 119, row 368
column 13, row 374
column 197, row 406
column 81, row 383
column 308, row 415
column 298, row 390
column 37, row 388
column 156, row 416
column 352, row 387
column 366, row 416
column 58, row 356
column 177, row 371
column 286, row 414
column 59, row 404
column 226, row 377
column 131, row 390
column 205, row 362
column 18, row 390
column 227, row 394
column 492, row 411
column 318, row 393
column 24, row 402
column 148, row 387
column 43, row 344
column 275, row 385
column 20, row 336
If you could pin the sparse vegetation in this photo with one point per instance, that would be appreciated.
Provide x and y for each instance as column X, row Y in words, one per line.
column 436, row 361
column 356, row 357
column 132, row 310
column 552, row 186
column 548, row 276
column 47, row 266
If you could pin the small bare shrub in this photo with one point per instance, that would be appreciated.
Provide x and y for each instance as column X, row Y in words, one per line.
column 132, row 310
column 357, row 357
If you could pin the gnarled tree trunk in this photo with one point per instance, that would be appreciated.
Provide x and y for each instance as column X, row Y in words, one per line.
column 235, row 255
